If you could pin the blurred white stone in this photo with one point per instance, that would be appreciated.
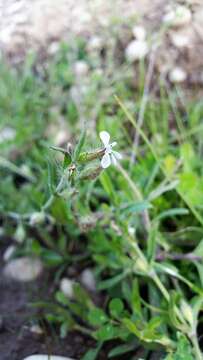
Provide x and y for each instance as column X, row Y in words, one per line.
column 179, row 40
column 88, row 279
column 66, row 286
column 6, row 134
column 139, row 32
column 47, row 357
column 61, row 138
column 136, row 50
column 23, row 269
column 53, row 48
column 177, row 75
column 95, row 43
column 36, row 329
column 81, row 68
column 9, row 252
column 177, row 17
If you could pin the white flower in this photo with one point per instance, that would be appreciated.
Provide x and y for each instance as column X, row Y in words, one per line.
column 110, row 156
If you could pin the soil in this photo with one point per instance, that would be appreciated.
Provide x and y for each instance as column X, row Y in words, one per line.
column 17, row 315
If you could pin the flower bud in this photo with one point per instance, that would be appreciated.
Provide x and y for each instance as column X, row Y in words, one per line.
column 19, row 234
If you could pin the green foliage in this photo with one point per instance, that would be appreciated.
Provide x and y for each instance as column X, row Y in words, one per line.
column 139, row 225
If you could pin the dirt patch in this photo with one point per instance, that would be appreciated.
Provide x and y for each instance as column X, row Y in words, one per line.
column 16, row 339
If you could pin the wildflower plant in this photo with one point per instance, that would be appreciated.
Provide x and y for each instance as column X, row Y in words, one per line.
column 137, row 225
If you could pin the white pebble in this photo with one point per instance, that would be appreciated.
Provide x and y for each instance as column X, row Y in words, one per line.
column 7, row 134
column 179, row 40
column 9, row 252
column 47, row 357
column 66, row 286
column 139, row 32
column 136, row 50
column 81, row 68
column 36, row 329
column 177, row 75
column 95, row 43
column 88, row 280
column 23, row 269
column 61, row 138
column 180, row 16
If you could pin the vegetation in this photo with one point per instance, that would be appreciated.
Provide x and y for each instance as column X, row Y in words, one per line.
column 138, row 225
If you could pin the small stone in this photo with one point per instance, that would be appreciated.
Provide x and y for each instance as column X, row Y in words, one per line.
column 179, row 40
column 66, row 286
column 180, row 16
column 53, row 48
column 9, row 252
column 136, row 50
column 47, row 357
column 36, row 329
column 61, row 138
column 23, row 269
column 177, row 75
column 81, row 68
column 95, row 43
column 7, row 134
column 88, row 279
column 139, row 32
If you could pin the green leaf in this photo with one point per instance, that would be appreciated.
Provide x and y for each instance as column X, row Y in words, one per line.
column 67, row 160
column 172, row 212
column 97, row 317
column 106, row 284
column 122, row 349
column 183, row 352
column 116, row 307
column 79, row 146
column 136, row 207
column 92, row 353
column 52, row 258
column 106, row 332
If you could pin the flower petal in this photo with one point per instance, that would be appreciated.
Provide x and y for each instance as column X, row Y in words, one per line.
column 105, row 137
column 117, row 155
column 113, row 159
column 106, row 161
column 113, row 144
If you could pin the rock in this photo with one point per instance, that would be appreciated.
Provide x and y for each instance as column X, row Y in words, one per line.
column 7, row 134
column 23, row 269
column 36, row 329
column 139, row 32
column 47, row 357
column 61, row 138
column 95, row 44
column 177, row 17
column 66, row 286
column 179, row 40
column 81, row 68
column 177, row 75
column 88, row 279
column 9, row 252
column 136, row 50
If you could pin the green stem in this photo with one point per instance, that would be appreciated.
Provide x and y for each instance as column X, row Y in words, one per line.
column 52, row 197
column 197, row 351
